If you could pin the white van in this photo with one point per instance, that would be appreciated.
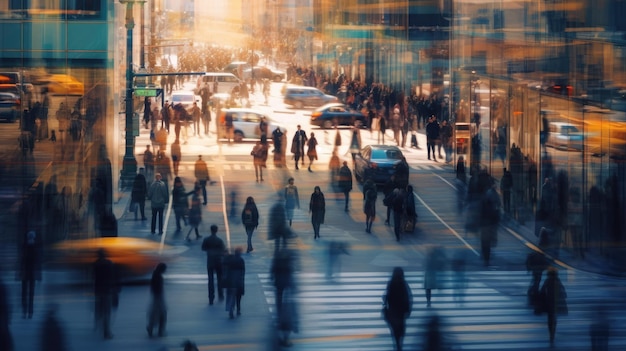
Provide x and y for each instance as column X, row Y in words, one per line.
column 219, row 82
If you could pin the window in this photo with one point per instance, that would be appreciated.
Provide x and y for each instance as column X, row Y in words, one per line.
column 56, row 8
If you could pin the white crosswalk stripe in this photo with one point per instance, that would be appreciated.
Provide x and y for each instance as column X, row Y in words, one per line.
column 493, row 315
column 249, row 167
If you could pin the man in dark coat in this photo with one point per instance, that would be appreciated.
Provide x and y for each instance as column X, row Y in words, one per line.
column 105, row 290
column 345, row 182
column 214, row 248
column 30, row 271
column 158, row 309
column 138, row 195
column 234, row 281
column 432, row 136
column 297, row 146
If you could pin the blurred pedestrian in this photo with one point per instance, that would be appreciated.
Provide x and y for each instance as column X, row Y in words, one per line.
column 279, row 145
column 445, row 133
column 214, row 248
column 138, row 195
column 161, row 138
column 30, row 271
column 166, row 113
column 159, row 197
column 355, row 140
column 52, row 337
column 106, row 291
column 234, row 281
column 6, row 339
column 195, row 212
column 410, row 212
column 397, row 306
column 490, row 219
column 250, row 220
column 506, row 185
column 397, row 205
column 345, row 183
column 292, row 199
column 334, row 166
column 163, row 167
column 433, row 338
column 600, row 330
column 195, row 113
column 335, row 249
column 536, row 263
column 317, row 209
column 201, row 171
column 432, row 136
column 259, row 159
column 460, row 169
column 277, row 228
column 189, row 345
column 297, row 145
column 369, row 206
column 157, row 312
column 180, row 203
column 554, row 300
column 459, row 281
column 434, row 262
column 177, row 155
column 388, row 194
column 281, row 273
column 148, row 162
column 311, row 151
column 402, row 174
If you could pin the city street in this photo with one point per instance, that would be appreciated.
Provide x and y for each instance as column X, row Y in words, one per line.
column 488, row 312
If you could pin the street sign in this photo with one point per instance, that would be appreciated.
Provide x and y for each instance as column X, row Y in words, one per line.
column 145, row 92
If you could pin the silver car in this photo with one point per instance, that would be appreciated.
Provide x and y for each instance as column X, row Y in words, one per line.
column 246, row 123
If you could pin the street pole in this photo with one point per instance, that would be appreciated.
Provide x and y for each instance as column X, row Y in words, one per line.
column 129, row 164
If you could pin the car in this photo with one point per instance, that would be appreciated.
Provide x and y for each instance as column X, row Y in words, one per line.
column 219, row 83
column 378, row 162
column 134, row 257
column 9, row 106
column 237, row 68
column 64, row 84
column 300, row 96
column 186, row 98
column 565, row 136
column 336, row 113
column 262, row 72
column 246, row 123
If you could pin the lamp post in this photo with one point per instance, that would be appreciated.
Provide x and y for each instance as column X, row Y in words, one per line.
column 129, row 164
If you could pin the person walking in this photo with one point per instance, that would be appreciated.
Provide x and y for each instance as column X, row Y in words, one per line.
column 250, row 220
column 6, row 339
column 554, row 300
column 105, row 291
column 30, row 271
column 234, row 282
column 434, row 263
column 388, row 188
column 297, row 145
column 177, row 155
column 166, row 112
column 292, row 199
column 311, row 152
column 536, row 263
column 214, row 248
column 201, row 171
column 180, row 204
column 345, row 183
column 446, row 134
column 259, row 159
column 159, row 197
column 490, row 218
column 317, row 209
column 355, row 140
column 157, row 312
column 163, row 167
column 398, row 303
column 432, row 136
column 410, row 213
column 277, row 138
column 195, row 113
column 506, row 185
column 138, row 195
column 370, row 194
column 195, row 212
column 397, row 204
column 281, row 273
column 148, row 162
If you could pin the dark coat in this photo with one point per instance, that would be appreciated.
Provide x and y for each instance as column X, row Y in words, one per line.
column 250, row 215
column 345, row 179
column 195, row 211
column 235, row 273
column 554, row 295
column 317, row 206
column 140, row 189
column 398, row 299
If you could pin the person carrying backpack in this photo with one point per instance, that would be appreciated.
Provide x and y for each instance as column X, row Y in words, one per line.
column 250, row 220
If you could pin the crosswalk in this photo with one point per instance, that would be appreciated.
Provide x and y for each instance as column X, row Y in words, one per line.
column 488, row 313
column 248, row 166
